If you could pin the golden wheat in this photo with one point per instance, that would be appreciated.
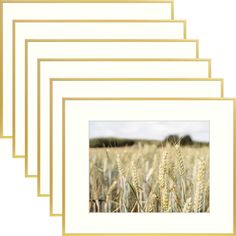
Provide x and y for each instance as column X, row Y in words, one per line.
column 200, row 186
column 148, row 178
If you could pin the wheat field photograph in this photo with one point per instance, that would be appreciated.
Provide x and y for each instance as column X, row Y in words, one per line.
column 149, row 166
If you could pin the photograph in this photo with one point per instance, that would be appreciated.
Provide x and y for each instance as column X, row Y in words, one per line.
column 149, row 166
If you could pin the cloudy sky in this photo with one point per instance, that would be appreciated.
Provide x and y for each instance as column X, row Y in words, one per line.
column 154, row 130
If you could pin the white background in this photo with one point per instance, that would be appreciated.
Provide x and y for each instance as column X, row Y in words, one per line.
column 211, row 21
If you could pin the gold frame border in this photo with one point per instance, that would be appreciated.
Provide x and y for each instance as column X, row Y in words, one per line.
column 14, row 22
column 88, row 1
column 2, row 2
column 51, row 120
column 150, row 99
column 171, row 2
column 1, row 74
column 1, row 71
column 28, row 41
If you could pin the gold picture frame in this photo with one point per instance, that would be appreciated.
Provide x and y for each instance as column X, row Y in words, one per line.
column 151, row 99
column 68, row 80
column 182, row 22
column 2, row 2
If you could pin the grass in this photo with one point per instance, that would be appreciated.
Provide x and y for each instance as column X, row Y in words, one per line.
column 149, row 178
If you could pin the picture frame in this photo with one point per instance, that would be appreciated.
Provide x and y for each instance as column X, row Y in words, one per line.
column 83, row 29
column 36, row 49
column 216, row 222
column 85, row 125
column 60, row 88
column 64, row 10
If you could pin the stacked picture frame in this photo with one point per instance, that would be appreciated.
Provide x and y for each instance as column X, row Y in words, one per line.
column 117, row 117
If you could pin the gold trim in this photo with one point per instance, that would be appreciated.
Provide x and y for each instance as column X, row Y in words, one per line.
column 26, row 111
column 197, row 49
column 27, row 175
column 28, row 41
column 132, row 59
column 2, row 136
column 5, row 137
column 172, row 10
column 234, row 169
column 30, row 176
column 110, row 40
column 13, row 91
column 100, row 21
column 137, row 79
column 51, row 115
column 55, row 215
column 144, row 99
column 125, row 59
column 63, row 169
column 107, row 21
column 1, row 71
column 210, row 69
column 39, row 129
column 87, row 1
column 185, row 29
column 43, row 195
column 18, row 157
column 51, row 151
column 222, row 89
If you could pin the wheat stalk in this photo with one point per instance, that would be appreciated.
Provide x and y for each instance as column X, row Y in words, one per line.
column 163, row 168
column 165, row 199
column 199, row 193
column 120, row 167
column 180, row 161
column 135, row 178
column 188, row 206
